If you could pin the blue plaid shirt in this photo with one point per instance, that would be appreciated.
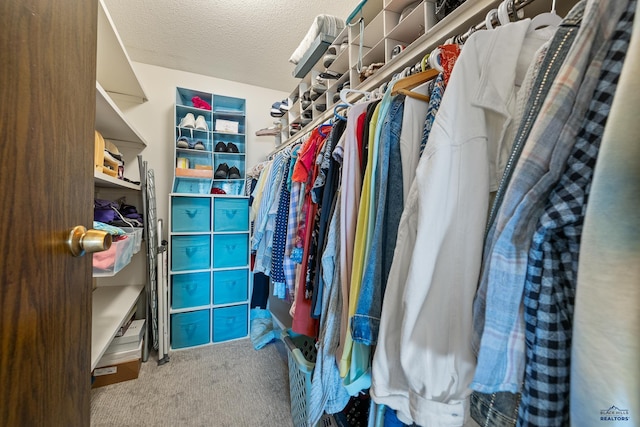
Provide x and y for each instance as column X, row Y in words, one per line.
column 552, row 270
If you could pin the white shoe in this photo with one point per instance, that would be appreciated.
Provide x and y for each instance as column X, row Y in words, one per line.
column 188, row 121
column 201, row 124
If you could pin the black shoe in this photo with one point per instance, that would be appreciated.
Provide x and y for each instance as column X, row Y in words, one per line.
column 220, row 147
column 232, row 148
column 234, row 173
column 222, row 171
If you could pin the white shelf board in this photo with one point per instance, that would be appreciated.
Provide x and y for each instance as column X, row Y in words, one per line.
column 114, row 70
column 111, row 123
column 111, row 304
column 411, row 28
column 103, row 180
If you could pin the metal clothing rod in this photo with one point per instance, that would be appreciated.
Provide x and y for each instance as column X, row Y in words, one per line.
column 512, row 8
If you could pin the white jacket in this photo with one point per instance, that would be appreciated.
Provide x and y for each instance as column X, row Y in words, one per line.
column 424, row 362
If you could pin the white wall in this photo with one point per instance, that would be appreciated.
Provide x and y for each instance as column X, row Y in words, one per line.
column 154, row 119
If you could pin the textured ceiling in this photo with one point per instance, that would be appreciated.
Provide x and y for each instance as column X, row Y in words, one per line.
column 247, row 41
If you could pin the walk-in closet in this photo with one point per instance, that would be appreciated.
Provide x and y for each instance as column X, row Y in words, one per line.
column 382, row 213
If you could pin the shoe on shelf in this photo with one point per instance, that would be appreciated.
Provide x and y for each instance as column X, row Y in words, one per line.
column 216, row 190
column 328, row 74
column 284, row 105
column 330, row 56
column 188, row 121
column 199, row 146
column 182, row 142
column 234, row 173
column 232, row 148
column 321, row 107
column 275, row 109
column 201, row 123
column 222, row 171
column 345, row 43
column 221, row 147
column 305, row 104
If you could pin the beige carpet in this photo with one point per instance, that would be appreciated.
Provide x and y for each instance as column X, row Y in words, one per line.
column 223, row 385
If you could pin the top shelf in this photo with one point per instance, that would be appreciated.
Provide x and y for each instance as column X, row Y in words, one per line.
column 114, row 71
column 112, row 124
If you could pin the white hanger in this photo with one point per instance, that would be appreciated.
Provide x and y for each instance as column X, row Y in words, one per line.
column 434, row 60
column 503, row 13
column 547, row 19
column 487, row 20
column 345, row 92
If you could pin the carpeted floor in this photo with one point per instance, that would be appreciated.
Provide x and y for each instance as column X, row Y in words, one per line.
column 223, row 385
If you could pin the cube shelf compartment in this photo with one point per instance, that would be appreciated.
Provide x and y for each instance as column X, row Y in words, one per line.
column 206, row 118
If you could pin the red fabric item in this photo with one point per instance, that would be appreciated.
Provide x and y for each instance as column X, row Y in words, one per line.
column 200, row 103
column 360, row 124
column 303, row 323
column 448, row 56
column 306, row 157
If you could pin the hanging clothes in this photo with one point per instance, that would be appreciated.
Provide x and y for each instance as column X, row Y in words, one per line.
column 414, row 112
column 500, row 409
column 423, row 364
column 501, row 356
column 365, row 321
column 329, row 189
column 304, row 173
column 351, row 184
column 552, row 264
column 605, row 373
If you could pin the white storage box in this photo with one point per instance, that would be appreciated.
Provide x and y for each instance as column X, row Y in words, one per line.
column 228, row 126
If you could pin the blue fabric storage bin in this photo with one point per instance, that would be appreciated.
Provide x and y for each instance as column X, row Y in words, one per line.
column 190, row 290
column 229, row 323
column 191, row 214
column 190, row 329
column 230, row 250
column 230, row 286
column 190, row 252
column 230, row 214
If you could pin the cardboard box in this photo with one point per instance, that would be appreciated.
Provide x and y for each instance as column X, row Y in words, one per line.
column 116, row 373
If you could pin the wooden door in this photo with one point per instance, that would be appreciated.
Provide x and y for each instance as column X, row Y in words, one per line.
column 47, row 116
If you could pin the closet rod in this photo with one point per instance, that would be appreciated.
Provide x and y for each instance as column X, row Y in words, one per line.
column 512, row 8
column 453, row 24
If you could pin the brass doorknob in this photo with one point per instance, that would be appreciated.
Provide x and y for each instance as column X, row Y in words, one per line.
column 83, row 241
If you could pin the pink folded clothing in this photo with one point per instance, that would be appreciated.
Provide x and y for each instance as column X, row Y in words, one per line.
column 200, row 103
column 104, row 260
